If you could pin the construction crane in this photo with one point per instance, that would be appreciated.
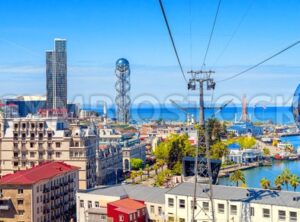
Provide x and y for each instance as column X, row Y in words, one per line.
column 189, row 117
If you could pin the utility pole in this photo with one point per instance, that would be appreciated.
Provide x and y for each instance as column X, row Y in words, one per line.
column 200, row 77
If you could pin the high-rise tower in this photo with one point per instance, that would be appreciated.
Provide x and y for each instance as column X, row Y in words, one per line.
column 123, row 88
column 56, row 73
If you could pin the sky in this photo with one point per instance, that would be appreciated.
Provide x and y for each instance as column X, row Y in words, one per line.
column 101, row 31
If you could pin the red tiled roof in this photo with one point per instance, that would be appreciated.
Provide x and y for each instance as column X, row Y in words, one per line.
column 37, row 173
column 128, row 205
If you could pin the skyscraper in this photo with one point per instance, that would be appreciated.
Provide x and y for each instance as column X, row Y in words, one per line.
column 56, row 74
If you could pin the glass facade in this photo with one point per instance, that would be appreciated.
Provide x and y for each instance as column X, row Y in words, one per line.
column 56, row 75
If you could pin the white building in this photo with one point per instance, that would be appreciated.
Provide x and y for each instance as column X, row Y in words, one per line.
column 231, row 204
column 244, row 155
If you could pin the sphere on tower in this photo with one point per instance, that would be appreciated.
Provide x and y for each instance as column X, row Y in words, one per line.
column 122, row 86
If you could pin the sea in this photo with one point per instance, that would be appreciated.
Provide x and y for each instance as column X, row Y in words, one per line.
column 140, row 114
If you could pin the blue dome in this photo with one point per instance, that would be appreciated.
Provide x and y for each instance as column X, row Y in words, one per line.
column 296, row 106
column 122, row 62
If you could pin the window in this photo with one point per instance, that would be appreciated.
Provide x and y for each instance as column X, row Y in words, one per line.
column 31, row 145
column 20, row 191
column 252, row 212
column 293, row 216
column 20, row 202
column 221, row 208
column 21, row 212
column 181, row 203
column 171, row 219
column 121, row 218
column 181, row 220
column 281, row 215
column 266, row 213
column 205, row 206
column 81, row 203
column 139, row 213
column 130, row 217
column 152, row 209
column 96, row 204
column 159, row 211
column 32, row 154
column 57, row 144
column 89, row 204
column 57, row 154
column 233, row 209
column 170, row 202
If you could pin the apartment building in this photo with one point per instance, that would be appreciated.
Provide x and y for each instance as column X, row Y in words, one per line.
column 43, row 193
column 26, row 142
column 128, row 142
column 92, row 205
column 231, row 204
column 109, row 164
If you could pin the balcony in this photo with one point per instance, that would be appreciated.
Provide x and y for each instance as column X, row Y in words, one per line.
column 16, row 149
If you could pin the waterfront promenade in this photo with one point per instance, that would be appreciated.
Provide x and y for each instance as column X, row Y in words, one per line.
column 225, row 171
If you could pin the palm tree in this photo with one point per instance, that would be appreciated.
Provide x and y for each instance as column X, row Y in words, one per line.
column 161, row 163
column 237, row 176
column 285, row 176
column 155, row 167
column 265, row 183
column 278, row 182
column 294, row 181
column 147, row 168
column 140, row 173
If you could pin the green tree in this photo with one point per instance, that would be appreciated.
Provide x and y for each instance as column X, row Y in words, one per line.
column 294, row 181
column 265, row 183
column 136, row 163
column 237, row 176
column 215, row 130
column 133, row 175
column 278, row 182
column 246, row 142
column 177, row 169
column 218, row 150
column 285, row 176
column 173, row 149
column 266, row 151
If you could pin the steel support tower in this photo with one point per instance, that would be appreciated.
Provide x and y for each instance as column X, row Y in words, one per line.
column 202, row 160
column 122, row 85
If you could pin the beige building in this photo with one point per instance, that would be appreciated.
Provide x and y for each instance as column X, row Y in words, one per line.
column 91, row 205
column 44, row 193
column 26, row 142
